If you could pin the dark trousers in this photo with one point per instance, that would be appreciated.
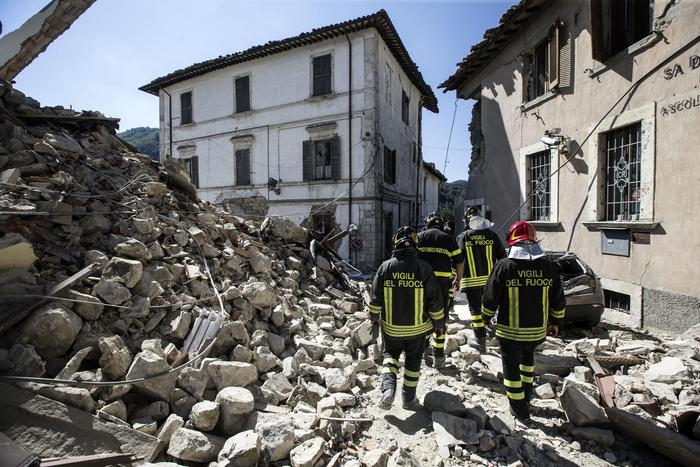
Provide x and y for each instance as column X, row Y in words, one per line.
column 518, row 370
column 439, row 341
column 474, row 296
column 413, row 348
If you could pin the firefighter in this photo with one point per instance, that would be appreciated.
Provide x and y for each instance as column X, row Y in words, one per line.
column 406, row 300
column 440, row 251
column 481, row 248
column 526, row 291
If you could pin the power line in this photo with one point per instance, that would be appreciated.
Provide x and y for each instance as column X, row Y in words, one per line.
column 449, row 139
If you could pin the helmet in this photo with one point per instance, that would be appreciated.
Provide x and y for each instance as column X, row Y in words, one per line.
column 434, row 219
column 521, row 232
column 405, row 237
column 472, row 211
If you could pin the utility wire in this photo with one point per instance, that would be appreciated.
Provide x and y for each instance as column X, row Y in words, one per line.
column 449, row 139
column 631, row 88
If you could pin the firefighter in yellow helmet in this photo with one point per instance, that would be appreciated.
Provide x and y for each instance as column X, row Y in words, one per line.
column 526, row 290
column 406, row 300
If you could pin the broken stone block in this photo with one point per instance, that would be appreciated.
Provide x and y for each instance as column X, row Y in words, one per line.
column 307, row 453
column 181, row 402
column 225, row 374
column 133, row 248
column 52, row 329
column 313, row 350
column 276, row 432
column 169, row 426
column 583, row 373
column 452, row 431
column 75, row 397
column 444, row 399
column 502, row 423
column 283, row 228
column 25, row 361
column 92, row 310
column 336, row 380
column 279, row 386
column 154, row 189
column 94, row 223
column 479, row 415
column 15, row 252
column 545, row 391
column 194, row 446
column 668, row 370
column 123, row 271
column 664, row 393
column 241, row 450
column 193, row 381
column 112, row 291
column 116, row 409
column 265, row 360
column 597, row 435
column 147, row 364
column 235, row 404
column 259, row 294
column 377, row 457
column 362, row 334
column 580, row 408
column 116, row 357
column 204, row 415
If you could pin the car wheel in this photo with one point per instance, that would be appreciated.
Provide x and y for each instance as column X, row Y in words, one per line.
column 591, row 323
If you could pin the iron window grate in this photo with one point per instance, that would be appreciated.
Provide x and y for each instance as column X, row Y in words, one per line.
column 617, row 301
column 539, row 185
column 623, row 173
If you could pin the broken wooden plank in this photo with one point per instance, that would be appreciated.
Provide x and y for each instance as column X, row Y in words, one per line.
column 673, row 445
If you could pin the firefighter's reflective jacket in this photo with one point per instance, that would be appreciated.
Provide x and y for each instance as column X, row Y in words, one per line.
column 406, row 295
column 527, row 294
column 440, row 251
column 481, row 250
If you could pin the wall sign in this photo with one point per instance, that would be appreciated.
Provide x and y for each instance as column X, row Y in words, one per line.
column 356, row 244
column 683, row 105
column 677, row 69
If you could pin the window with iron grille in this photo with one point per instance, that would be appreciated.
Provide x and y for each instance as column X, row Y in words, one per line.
column 617, row 301
column 242, row 85
column 186, row 108
column 322, row 74
column 623, row 179
column 539, row 186
column 243, row 166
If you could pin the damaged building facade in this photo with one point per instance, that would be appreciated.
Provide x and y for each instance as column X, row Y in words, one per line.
column 552, row 72
column 323, row 128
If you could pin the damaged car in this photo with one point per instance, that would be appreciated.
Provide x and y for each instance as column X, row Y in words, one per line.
column 585, row 301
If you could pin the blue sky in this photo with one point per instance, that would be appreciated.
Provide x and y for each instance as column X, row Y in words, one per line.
column 119, row 45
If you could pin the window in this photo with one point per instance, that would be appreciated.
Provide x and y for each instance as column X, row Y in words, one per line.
column 623, row 157
column 541, row 66
column 389, row 165
column 322, row 75
column 243, row 166
column 321, row 159
column 242, row 85
column 617, row 301
column 405, row 101
column 617, row 24
column 415, row 151
column 191, row 166
column 539, row 186
column 322, row 223
column 186, row 108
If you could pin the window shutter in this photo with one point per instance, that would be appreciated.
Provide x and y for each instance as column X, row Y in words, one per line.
column 553, row 71
column 566, row 54
column 393, row 166
column 307, row 160
column 335, row 157
column 322, row 75
column 243, row 167
column 186, row 108
column 242, row 94
column 597, row 40
column 195, row 171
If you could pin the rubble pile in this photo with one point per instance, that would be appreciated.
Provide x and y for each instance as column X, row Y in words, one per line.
column 153, row 265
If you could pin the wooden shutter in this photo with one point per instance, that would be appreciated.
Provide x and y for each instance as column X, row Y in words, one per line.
column 243, row 167
column 553, row 65
column 322, row 75
column 335, row 157
column 242, row 94
column 186, row 108
column 566, row 53
column 306, row 163
column 393, row 166
column 597, row 38
column 195, row 170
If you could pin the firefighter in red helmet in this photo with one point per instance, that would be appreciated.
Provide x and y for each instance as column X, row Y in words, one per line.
column 526, row 291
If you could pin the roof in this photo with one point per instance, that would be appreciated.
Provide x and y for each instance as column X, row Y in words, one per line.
column 513, row 21
column 379, row 21
column 430, row 167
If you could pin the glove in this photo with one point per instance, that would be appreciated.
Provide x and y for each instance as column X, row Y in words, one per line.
column 552, row 330
column 439, row 330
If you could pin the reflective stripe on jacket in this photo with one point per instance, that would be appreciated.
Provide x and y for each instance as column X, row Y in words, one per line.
column 527, row 294
column 407, row 296
column 481, row 250
column 440, row 251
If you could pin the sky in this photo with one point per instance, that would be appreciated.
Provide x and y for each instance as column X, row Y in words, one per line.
column 118, row 45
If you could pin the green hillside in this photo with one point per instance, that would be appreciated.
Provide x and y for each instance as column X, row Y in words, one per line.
column 144, row 139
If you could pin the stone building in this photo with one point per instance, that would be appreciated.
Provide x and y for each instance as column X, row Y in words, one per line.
column 323, row 128
column 608, row 90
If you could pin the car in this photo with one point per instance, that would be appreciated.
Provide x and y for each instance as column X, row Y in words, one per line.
column 585, row 301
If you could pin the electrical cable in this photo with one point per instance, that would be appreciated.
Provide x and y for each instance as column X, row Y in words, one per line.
column 632, row 86
column 449, row 139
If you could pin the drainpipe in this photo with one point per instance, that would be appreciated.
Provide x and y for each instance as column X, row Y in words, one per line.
column 418, row 160
column 170, row 122
column 349, row 130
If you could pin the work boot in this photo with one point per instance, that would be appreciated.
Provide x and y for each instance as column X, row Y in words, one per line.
column 478, row 343
column 387, row 399
column 520, row 411
column 410, row 404
column 439, row 362
column 427, row 358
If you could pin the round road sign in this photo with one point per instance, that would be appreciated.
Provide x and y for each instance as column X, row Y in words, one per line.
column 355, row 244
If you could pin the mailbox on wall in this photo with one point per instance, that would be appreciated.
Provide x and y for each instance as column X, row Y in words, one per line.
column 615, row 242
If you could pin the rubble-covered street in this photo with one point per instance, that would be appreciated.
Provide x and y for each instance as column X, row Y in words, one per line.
column 182, row 333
